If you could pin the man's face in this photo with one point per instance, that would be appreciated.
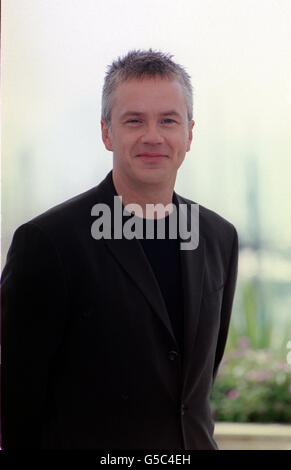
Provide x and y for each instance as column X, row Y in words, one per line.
column 149, row 133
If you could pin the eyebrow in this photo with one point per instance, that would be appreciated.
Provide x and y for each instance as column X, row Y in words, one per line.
column 136, row 113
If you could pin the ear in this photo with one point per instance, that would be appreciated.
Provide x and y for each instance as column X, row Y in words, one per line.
column 106, row 136
column 190, row 135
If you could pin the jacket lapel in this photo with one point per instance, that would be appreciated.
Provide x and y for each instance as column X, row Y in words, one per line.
column 192, row 272
column 192, row 267
column 130, row 255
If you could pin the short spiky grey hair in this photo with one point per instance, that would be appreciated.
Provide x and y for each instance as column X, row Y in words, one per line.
column 140, row 64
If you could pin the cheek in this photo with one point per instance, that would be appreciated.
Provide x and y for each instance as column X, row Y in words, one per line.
column 182, row 144
column 130, row 143
column 180, row 139
column 117, row 142
column 125, row 146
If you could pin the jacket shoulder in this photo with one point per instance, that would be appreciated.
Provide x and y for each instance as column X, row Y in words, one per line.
column 221, row 246
column 74, row 214
column 67, row 209
column 211, row 224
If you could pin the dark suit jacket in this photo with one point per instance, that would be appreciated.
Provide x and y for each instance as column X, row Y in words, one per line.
column 89, row 358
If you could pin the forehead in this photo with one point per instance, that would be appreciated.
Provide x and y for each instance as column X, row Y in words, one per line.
column 149, row 94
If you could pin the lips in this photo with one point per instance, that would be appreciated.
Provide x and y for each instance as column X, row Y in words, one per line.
column 151, row 155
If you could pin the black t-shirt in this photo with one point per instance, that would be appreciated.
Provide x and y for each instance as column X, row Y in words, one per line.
column 164, row 257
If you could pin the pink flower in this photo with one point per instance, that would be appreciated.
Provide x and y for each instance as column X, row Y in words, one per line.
column 260, row 375
column 243, row 343
column 233, row 394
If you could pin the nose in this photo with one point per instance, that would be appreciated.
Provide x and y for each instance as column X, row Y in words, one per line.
column 152, row 135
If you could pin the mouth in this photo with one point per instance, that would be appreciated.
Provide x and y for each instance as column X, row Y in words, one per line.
column 152, row 155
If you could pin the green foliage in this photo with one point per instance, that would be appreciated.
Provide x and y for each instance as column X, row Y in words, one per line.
column 253, row 318
column 252, row 386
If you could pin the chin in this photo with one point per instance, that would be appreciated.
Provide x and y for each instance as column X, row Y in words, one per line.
column 153, row 176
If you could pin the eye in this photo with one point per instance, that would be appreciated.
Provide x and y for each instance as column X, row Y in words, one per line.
column 168, row 121
column 133, row 121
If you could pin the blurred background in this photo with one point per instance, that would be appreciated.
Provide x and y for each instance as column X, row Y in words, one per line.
column 54, row 57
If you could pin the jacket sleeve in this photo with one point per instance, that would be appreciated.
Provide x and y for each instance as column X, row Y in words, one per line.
column 227, row 301
column 33, row 317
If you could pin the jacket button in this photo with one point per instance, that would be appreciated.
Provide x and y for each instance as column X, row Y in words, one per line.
column 173, row 355
column 86, row 314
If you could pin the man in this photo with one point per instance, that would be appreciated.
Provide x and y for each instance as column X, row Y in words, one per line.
column 110, row 341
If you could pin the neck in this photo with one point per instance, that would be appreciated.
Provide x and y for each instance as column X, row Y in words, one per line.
column 134, row 192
